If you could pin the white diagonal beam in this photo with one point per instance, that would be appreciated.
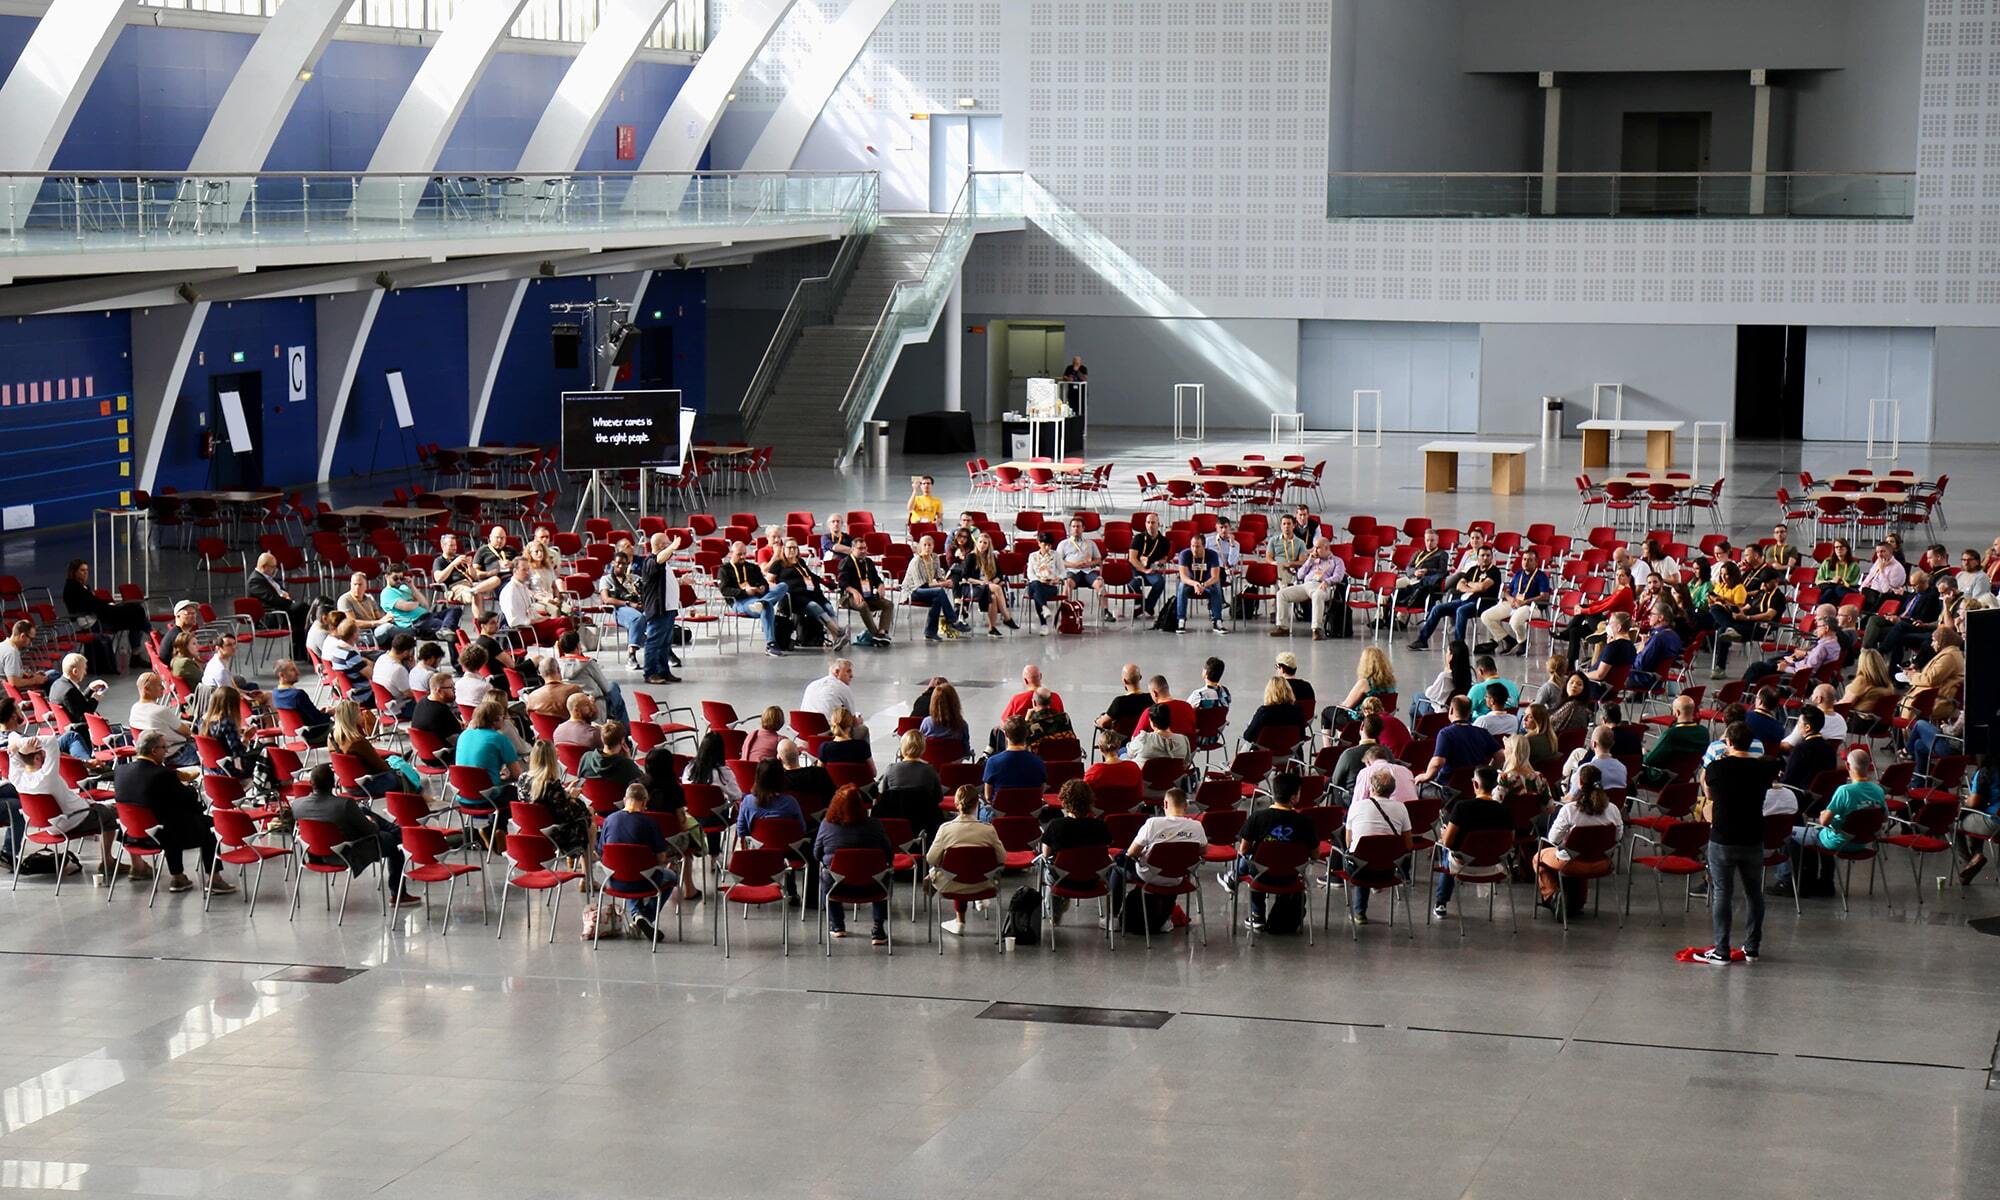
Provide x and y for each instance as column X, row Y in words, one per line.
column 422, row 122
column 690, row 121
column 778, row 146
column 599, row 67
column 261, row 93
column 48, row 82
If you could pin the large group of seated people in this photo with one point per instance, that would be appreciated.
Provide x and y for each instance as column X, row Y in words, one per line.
column 476, row 687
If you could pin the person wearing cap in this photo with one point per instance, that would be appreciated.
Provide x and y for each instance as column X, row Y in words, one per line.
column 1302, row 692
column 33, row 767
column 145, row 780
column 182, row 652
column 410, row 613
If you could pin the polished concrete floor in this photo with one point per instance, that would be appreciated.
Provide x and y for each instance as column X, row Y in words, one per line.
column 161, row 1052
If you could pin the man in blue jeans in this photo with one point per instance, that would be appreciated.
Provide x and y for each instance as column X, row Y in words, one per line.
column 750, row 595
column 1474, row 589
column 1278, row 823
column 1150, row 554
column 1200, row 579
column 1736, row 784
column 660, row 600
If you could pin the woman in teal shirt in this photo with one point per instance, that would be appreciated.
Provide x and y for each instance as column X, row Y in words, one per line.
column 486, row 746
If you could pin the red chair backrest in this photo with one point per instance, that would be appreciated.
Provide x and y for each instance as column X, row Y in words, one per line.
column 320, row 838
column 756, row 866
column 970, row 865
column 628, row 862
column 530, row 851
column 1590, row 843
column 1174, row 858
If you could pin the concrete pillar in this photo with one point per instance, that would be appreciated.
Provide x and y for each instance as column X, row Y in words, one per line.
column 954, row 345
column 1552, row 108
column 1760, row 139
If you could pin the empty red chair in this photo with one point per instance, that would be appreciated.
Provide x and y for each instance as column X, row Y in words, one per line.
column 530, row 855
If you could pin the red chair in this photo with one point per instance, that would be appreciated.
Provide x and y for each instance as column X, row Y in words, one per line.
column 628, row 870
column 1926, row 831
column 977, row 868
column 1280, row 871
column 137, row 839
column 1080, row 873
column 530, row 855
column 324, row 853
column 235, row 842
column 1481, row 857
column 41, row 812
column 1375, row 864
column 1682, row 852
column 1591, row 856
column 857, row 876
column 756, row 873
column 1863, row 830
column 1177, row 864
column 469, row 786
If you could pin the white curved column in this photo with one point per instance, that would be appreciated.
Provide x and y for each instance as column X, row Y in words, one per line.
column 340, row 332
column 48, row 82
column 422, row 122
column 778, row 145
column 554, row 148
column 163, row 341
column 599, row 67
column 690, row 121
column 261, row 93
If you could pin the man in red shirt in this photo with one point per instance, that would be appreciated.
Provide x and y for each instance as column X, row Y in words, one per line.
column 1031, row 680
column 1180, row 721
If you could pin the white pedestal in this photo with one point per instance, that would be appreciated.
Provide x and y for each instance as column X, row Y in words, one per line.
column 1892, row 427
column 1721, row 446
column 1197, row 395
column 1617, row 391
column 1377, row 396
column 1297, row 422
column 127, row 536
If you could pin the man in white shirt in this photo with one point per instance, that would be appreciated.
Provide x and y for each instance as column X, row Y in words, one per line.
column 149, row 712
column 1973, row 582
column 517, row 599
column 392, row 671
column 831, row 691
column 13, row 666
column 220, row 673
column 1079, row 560
column 1375, row 812
column 1175, row 826
column 1835, row 729
column 1610, row 771
column 32, row 766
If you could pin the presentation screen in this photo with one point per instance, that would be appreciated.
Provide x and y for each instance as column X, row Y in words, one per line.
column 618, row 431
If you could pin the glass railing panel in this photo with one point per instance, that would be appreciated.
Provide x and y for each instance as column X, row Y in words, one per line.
column 79, row 214
column 1448, row 195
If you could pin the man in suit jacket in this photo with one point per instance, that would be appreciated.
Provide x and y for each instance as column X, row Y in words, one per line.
column 369, row 837
column 268, row 590
column 147, row 781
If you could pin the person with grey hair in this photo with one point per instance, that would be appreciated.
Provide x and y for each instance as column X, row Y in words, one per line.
column 1858, row 794
column 77, row 700
column 146, row 781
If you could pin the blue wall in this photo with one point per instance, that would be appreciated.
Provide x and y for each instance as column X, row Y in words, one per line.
column 261, row 330
column 421, row 333
column 147, row 111
column 84, row 347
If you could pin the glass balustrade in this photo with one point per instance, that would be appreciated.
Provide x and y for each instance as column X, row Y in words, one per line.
column 84, row 213
column 1796, row 195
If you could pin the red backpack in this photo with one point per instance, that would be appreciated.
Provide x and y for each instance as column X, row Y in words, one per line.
column 1069, row 617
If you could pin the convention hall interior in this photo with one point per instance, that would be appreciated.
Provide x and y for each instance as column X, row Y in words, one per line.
column 1016, row 598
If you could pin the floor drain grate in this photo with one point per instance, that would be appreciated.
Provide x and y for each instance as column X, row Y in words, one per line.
column 1066, row 1014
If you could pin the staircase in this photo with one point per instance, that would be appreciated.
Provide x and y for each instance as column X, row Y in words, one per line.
column 800, row 415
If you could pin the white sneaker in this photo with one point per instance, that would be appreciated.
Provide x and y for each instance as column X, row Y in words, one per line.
column 954, row 927
column 1218, row 627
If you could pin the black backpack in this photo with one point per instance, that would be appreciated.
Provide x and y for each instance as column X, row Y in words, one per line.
column 1284, row 913
column 1167, row 621
column 1023, row 921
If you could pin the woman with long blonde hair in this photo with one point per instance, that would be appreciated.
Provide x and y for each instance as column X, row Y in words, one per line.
column 544, row 785
column 1373, row 676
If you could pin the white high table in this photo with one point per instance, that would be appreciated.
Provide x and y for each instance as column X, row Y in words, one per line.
column 1510, row 464
column 1659, row 441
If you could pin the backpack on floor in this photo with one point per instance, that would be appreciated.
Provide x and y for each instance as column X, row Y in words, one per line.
column 1167, row 621
column 1023, row 921
column 1284, row 914
column 1338, row 622
column 1069, row 617
column 782, row 629
column 1144, row 908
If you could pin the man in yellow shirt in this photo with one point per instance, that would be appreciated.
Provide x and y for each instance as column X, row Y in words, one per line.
column 924, row 507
